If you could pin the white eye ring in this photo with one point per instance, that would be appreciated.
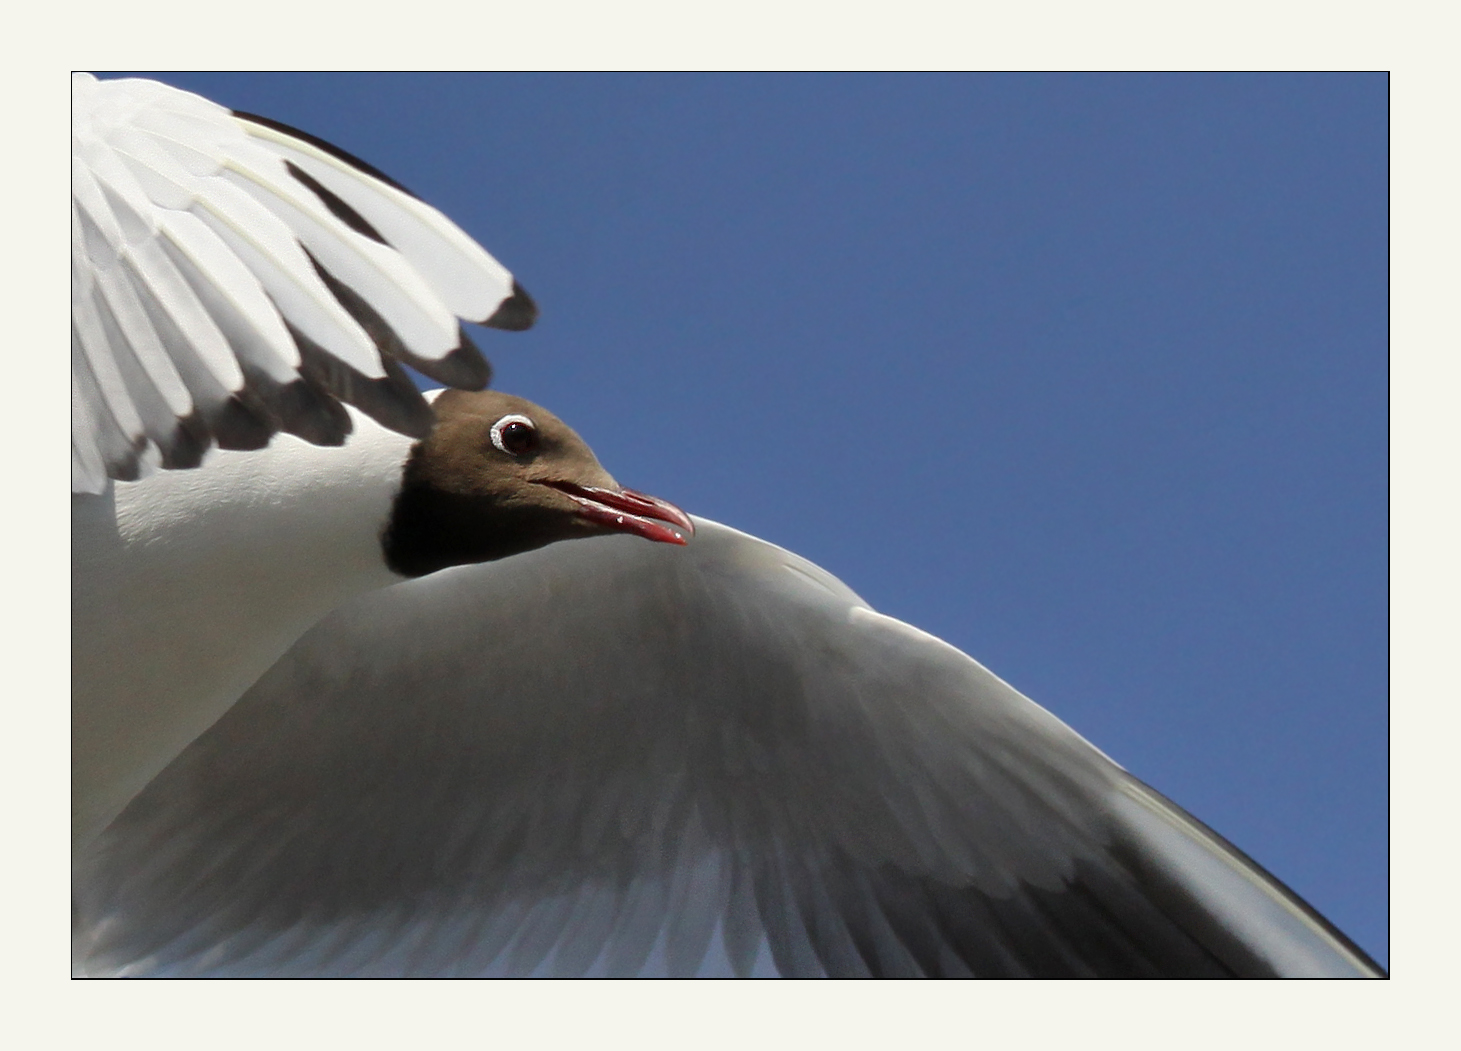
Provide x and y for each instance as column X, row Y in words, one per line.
column 503, row 424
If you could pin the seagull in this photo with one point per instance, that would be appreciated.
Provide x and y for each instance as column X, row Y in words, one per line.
column 400, row 691
column 233, row 278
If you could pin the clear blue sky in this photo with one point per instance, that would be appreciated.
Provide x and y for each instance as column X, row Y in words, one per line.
column 1085, row 374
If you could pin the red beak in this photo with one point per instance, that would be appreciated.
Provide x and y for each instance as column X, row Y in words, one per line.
column 626, row 511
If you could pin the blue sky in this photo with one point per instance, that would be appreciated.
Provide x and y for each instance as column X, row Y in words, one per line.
column 1086, row 374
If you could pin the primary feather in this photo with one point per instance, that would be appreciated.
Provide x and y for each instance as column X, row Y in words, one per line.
column 233, row 277
column 611, row 758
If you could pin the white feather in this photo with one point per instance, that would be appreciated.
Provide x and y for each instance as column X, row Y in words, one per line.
column 371, row 269
column 260, row 240
column 232, row 294
column 116, row 286
column 105, row 391
column 471, row 282
column 192, row 234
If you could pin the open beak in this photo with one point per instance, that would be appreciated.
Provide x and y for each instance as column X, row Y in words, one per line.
column 626, row 511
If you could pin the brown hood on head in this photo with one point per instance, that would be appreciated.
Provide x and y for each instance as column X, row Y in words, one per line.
column 498, row 476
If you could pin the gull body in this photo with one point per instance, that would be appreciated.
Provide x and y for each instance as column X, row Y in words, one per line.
column 227, row 285
column 588, row 758
column 186, row 588
column 233, row 279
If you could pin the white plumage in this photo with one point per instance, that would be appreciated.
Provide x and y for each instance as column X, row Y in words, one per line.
column 602, row 757
column 231, row 279
column 208, row 254
column 608, row 757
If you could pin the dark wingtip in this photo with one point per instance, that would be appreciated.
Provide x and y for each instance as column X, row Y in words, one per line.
column 392, row 400
column 328, row 147
column 465, row 367
column 516, row 313
column 188, row 442
column 311, row 414
column 238, row 425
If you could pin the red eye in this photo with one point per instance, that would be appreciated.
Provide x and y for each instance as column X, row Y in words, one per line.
column 515, row 435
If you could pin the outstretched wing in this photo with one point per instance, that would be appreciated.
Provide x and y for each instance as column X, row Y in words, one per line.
column 607, row 757
column 232, row 277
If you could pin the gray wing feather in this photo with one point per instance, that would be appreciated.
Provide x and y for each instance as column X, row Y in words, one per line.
column 610, row 757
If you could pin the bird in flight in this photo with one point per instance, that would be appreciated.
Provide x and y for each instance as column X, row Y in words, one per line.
column 373, row 683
